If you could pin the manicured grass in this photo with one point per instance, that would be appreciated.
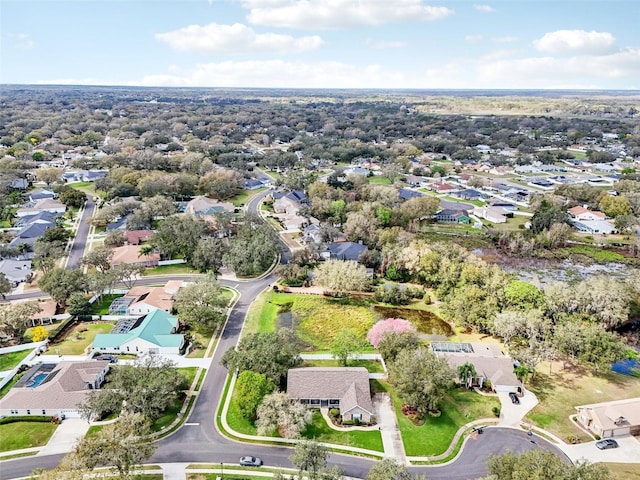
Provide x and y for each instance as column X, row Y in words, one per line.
column 477, row 203
column 29, row 331
column 178, row 269
column 94, row 430
column 564, row 389
column 18, row 435
column 624, row 471
column 167, row 417
column 189, row 373
column 319, row 431
column 243, row 197
column 101, row 307
column 371, row 365
column 377, row 180
column 435, row 435
column 77, row 342
column 12, row 359
column 10, row 384
column 263, row 312
column 236, row 421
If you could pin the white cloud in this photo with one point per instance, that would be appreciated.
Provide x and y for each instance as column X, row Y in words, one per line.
column 473, row 38
column 235, row 39
column 562, row 42
column 328, row 14
column 20, row 41
column 484, row 8
column 280, row 74
column 384, row 44
column 505, row 39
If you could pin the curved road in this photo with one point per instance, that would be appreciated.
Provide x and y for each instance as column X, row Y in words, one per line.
column 200, row 442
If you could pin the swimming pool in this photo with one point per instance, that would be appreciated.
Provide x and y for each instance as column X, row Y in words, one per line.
column 37, row 380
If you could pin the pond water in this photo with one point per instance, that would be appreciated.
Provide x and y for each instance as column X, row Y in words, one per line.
column 426, row 322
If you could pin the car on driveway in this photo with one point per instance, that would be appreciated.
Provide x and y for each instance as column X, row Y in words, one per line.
column 250, row 461
column 514, row 398
column 109, row 358
column 606, row 443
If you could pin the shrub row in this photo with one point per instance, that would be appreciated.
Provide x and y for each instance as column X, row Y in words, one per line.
column 55, row 333
column 26, row 418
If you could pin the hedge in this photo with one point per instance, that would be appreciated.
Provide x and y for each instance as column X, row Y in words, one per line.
column 26, row 418
column 61, row 327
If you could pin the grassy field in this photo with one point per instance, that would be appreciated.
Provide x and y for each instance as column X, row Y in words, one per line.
column 189, row 373
column 18, row 435
column 435, row 435
column 101, row 307
column 12, row 359
column 624, row 471
column 243, row 197
column 77, row 341
column 564, row 389
column 29, row 331
column 179, row 269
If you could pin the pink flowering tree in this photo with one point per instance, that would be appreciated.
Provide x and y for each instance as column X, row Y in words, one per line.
column 388, row 325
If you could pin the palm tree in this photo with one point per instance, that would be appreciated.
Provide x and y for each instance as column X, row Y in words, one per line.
column 466, row 373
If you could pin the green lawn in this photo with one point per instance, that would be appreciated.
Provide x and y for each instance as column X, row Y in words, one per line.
column 235, row 419
column 263, row 312
column 18, row 435
column 178, row 269
column 77, row 341
column 477, row 203
column 377, row 180
column 243, row 197
column 435, row 435
column 319, row 430
column 167, row 417
column 371, row 365
column 29, row 331
column 101, row 307
column 11, row 383
column 189, row 373
column 12, row 359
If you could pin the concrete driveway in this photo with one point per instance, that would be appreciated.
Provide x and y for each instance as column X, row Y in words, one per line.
column 512, row 414
column 627, row 452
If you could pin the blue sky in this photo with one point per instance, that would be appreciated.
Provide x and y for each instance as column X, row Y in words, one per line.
column 584, row 44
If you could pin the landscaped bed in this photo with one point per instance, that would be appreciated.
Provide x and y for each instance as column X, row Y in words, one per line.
column 80, row 337
column 18, row 435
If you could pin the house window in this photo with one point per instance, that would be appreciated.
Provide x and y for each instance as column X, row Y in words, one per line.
column 334, row 402
column 44, row 412
column 14, row 412
column 315, row 401
column 28, row 412
column 356, row 417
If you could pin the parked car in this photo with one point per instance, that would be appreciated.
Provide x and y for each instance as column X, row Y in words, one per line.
column 514, row 398
column 606, row 443
column 109, row 358
column 250, row 461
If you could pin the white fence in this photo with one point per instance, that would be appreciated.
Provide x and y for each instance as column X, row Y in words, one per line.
column 172, row 262
column 17, row 348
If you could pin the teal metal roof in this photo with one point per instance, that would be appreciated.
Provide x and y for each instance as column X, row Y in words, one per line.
column 156, row 328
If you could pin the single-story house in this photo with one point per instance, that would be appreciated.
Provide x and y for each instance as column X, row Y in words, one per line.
column 286, row 205
column 19, row 184
column 255, row 183
column 118, row 224
column 470, row 194
column 45, row 205
column 154, row 333
column 41, row 194
column 16, row 271
column 493, row 215
column 344, row 251
column 46, row 314
column 205, row 208
column 449, row 215
column 50, row 217
column 311, row 234
column 584, row 214
column 142, row 299
column 131, row 254
column 408, row 194
column 293, row 222
column 489, row 362
column 345, row 388
column 594, row 226
column 442, row 187
column 54, row 388
column 611, row 419
column 136, row 237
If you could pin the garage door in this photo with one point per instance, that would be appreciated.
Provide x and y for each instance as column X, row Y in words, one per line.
column 505, row 388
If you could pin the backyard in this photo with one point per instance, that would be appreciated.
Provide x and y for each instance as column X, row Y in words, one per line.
column 18, row 435
column 101, row 307
column 80, row 338
column 561, row 391
column 12, row 359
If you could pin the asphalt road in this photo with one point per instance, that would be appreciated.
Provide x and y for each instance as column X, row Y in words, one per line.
column 80, row 241
column 200, row 442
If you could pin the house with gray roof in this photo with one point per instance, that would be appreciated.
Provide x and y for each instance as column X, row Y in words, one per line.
column 16, row 271
column 344, row 251
column 54, row 388
column 344, row 388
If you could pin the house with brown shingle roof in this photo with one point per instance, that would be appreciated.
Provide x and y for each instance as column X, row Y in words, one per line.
column 54, row 388
column 131, row 254
column 145, row 299
column 345, row 388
